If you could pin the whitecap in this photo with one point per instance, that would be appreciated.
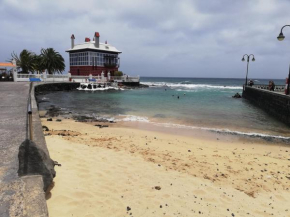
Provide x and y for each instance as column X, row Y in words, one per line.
column 191, row 86
column 133, row 118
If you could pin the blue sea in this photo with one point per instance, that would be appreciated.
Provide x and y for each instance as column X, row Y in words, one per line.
column 193, row 103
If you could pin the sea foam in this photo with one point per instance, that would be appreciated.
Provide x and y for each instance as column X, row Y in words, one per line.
column 184, row 85
column 133, row 118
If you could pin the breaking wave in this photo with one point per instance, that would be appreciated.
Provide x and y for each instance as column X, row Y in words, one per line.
column 187, row 85
column 133, row 118
column 227, row 131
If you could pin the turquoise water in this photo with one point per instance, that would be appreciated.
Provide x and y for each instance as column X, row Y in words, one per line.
column 202, row 103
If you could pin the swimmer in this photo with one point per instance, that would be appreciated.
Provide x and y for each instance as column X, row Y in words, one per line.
column 177, row 97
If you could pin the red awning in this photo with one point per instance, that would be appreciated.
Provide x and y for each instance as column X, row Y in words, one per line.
column 7, row 65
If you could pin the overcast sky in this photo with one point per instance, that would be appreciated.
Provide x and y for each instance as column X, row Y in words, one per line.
column 176, row 38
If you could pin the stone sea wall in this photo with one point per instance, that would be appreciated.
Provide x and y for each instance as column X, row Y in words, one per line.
column 274, row 103
column 56, row 87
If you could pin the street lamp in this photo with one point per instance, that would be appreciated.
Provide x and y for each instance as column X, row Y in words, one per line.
column 281, row 38
column 248, row 60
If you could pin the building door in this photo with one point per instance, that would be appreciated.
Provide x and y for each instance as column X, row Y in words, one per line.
column 78, row 71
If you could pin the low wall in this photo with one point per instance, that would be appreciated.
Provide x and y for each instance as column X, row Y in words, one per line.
column 42, row 87
column 274, row 103
column 131, row 84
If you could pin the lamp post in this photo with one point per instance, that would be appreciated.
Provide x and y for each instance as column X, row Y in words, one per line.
column 281, row 37
column 248, row 60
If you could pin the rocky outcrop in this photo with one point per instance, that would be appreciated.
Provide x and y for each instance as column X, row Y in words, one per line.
column 34, row 161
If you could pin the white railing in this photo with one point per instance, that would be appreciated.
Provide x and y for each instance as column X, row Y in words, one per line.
column 278, row 88
column 42, row 77
column 28, row 76
column 75, row 78
column 125, row 78
column 56, row 76
column 79, row 78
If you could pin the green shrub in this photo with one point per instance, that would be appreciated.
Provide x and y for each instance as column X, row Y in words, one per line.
column 118, row 73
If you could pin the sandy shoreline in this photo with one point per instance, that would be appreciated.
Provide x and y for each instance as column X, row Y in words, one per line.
column 117, row 171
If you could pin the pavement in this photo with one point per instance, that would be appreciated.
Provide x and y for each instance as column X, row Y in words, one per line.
column 13, row 113
column 19, row 196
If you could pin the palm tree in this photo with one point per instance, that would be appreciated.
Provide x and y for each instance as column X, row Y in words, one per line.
column 25, row 61
column 52, row 61
column 38, row 64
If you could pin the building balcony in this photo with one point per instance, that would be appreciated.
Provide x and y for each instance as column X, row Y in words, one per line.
column 111, row 65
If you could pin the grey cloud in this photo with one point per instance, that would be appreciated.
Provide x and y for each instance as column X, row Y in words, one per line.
column 161, row 38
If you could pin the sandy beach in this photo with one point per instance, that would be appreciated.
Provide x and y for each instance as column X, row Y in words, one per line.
column 126, row 171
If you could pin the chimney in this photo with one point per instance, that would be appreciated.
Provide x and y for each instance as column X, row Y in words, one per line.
column 87, row 39
column 72, row 41
column 97, row 39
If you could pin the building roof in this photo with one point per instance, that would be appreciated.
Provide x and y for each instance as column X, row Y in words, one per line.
column 7, row 65
column 91, row 46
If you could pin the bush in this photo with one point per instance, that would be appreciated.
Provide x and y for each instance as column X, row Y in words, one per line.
column 118, row 73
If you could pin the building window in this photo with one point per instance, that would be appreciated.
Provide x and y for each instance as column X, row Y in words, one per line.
column 92, row 58
column 79, row 59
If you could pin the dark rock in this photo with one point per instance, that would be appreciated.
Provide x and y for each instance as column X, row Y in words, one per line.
column 189, row 150
column 54, row 111
column 101, row 126
column 33, row 160
column 56, row 163
column 128, row 208
column 44, row 88
column 158, row 188
column 45, row 128
column 49, row 119
column 58, row 120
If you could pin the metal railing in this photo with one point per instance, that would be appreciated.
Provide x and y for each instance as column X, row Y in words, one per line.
column 29, row 114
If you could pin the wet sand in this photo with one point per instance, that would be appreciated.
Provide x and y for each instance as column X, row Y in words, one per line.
column 128, row 171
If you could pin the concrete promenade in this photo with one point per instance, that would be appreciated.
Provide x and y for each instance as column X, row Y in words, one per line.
column 19, row 196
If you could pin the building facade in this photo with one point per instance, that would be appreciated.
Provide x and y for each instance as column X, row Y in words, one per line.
column 93, row 57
